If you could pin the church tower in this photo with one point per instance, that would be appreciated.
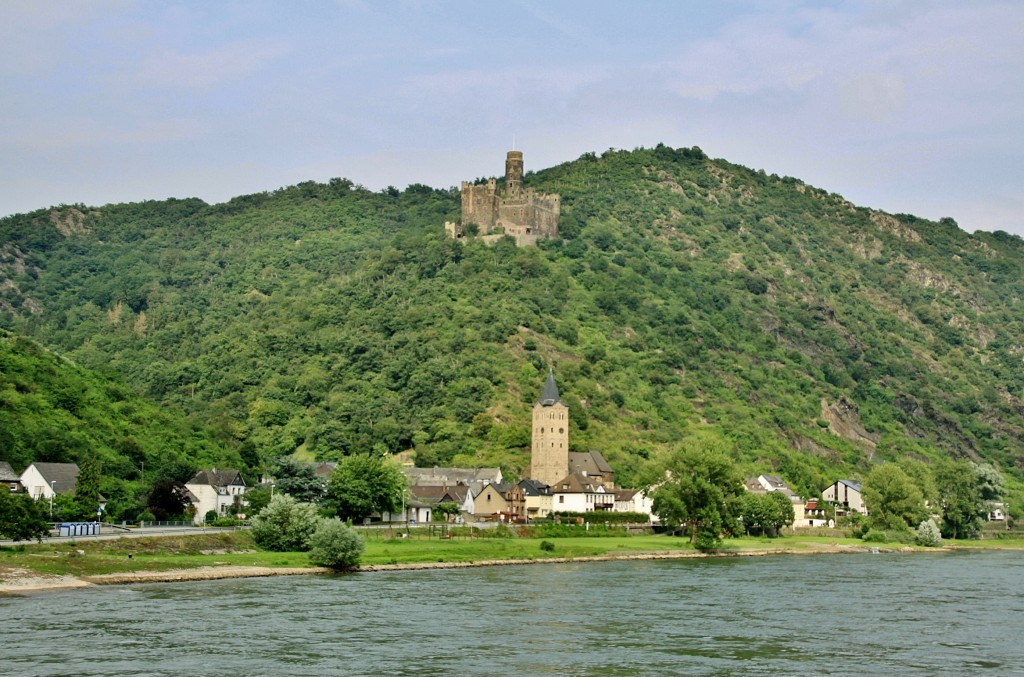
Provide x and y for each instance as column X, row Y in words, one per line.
column 549, row 455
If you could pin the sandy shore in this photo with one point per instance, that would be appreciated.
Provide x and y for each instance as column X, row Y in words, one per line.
column 22, row 581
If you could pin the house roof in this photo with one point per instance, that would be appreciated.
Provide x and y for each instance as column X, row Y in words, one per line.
column 589, row 462
column 499, row 487
column 433, row 495
column 576, row 483
column 217, row 478
column 550, row 394
column 625, row 494
column 451, row 476
column 63, row 476
column 534, row 488
column 853, row 485
column 7, row 473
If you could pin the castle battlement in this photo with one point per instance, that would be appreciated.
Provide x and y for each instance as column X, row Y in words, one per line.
column 521, row 212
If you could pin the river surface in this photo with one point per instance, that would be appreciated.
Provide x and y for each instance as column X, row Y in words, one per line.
column 857, row 614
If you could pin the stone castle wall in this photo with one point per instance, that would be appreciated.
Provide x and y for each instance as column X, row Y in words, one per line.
column 523, row 213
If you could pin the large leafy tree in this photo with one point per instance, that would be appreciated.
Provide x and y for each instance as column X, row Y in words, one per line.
column 701, row 494
column 364, row 484
column 766, row 513
column 964, row 488
column 299, row 480
column 21, row 517
column 893, row 500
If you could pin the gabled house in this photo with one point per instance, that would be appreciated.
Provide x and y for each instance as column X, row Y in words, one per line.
column 217, row 490
column 430, row 495
column 491, row 499
column 536, row 499
column 592, row 464
column 46, row 480
column 634, row 500
column 9, row 478
column 846, row 496
column 578, row 493
column 763, row 484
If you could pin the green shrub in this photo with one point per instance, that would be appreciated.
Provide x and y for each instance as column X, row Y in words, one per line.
column 210, row 516
column 875, row 536
column 225, row 522
column 147, row 517
column 285, row 524
column 336, row 545
column 928, row 534
column 547, row 546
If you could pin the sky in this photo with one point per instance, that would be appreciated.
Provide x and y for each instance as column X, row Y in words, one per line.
column 905, row 106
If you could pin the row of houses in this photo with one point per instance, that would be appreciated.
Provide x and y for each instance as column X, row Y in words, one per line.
column 215, row 490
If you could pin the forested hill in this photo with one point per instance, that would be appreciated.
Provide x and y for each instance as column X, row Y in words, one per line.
column 689, row 297
column 54, row 410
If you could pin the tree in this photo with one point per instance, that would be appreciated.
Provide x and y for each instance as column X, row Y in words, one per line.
column 362, row 485
column 336, row 545
column 256, row 499
column 892, row 498
column 87, row 486
column 766, row 513
column 701, row 494
column 299, row 480
column 285, row 524
column 21, row 517
column 928, row 534
column 167, row 498
column 447, row 509
column 960, row 497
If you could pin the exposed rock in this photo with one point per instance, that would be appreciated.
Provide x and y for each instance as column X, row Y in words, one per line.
column 70, row 222
column 844, row 421
column 891, row 224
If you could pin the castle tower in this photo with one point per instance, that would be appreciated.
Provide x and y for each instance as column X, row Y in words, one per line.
column 549, row 454
column 514, row 173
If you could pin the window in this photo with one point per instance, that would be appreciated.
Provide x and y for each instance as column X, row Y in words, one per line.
column 561, row 499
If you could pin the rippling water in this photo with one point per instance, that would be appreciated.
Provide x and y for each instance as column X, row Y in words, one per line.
column 889, row 614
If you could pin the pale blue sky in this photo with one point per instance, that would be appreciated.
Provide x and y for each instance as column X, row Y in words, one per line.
column 905, row 106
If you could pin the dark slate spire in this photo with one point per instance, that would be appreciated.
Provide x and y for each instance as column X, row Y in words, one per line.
column 550, row 394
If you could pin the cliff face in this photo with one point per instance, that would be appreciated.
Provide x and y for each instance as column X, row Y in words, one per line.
column 684, row 296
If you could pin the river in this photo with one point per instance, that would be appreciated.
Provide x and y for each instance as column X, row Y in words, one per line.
column 856, row 614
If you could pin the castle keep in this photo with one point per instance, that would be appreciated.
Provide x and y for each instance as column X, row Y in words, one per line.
column 523, row 213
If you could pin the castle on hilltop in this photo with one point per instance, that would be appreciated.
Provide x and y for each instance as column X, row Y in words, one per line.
column 523, row 213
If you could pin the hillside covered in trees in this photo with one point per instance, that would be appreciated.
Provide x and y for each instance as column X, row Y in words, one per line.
column 689, row 296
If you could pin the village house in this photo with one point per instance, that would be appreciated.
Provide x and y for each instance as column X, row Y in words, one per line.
column 220, row 491
column 846, row 496
column 491, row 501
column 43, row 481
column 460, row 495
column 634, row 500
column 413, row 512
column 9, row 478
column 815, row 514
column 763, row 484
column 536, row 499
column 577, row 493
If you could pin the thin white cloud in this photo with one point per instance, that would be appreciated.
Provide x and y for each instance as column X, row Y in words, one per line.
column 207, row 69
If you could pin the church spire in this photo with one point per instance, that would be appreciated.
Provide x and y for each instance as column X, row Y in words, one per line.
column 550, row 394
